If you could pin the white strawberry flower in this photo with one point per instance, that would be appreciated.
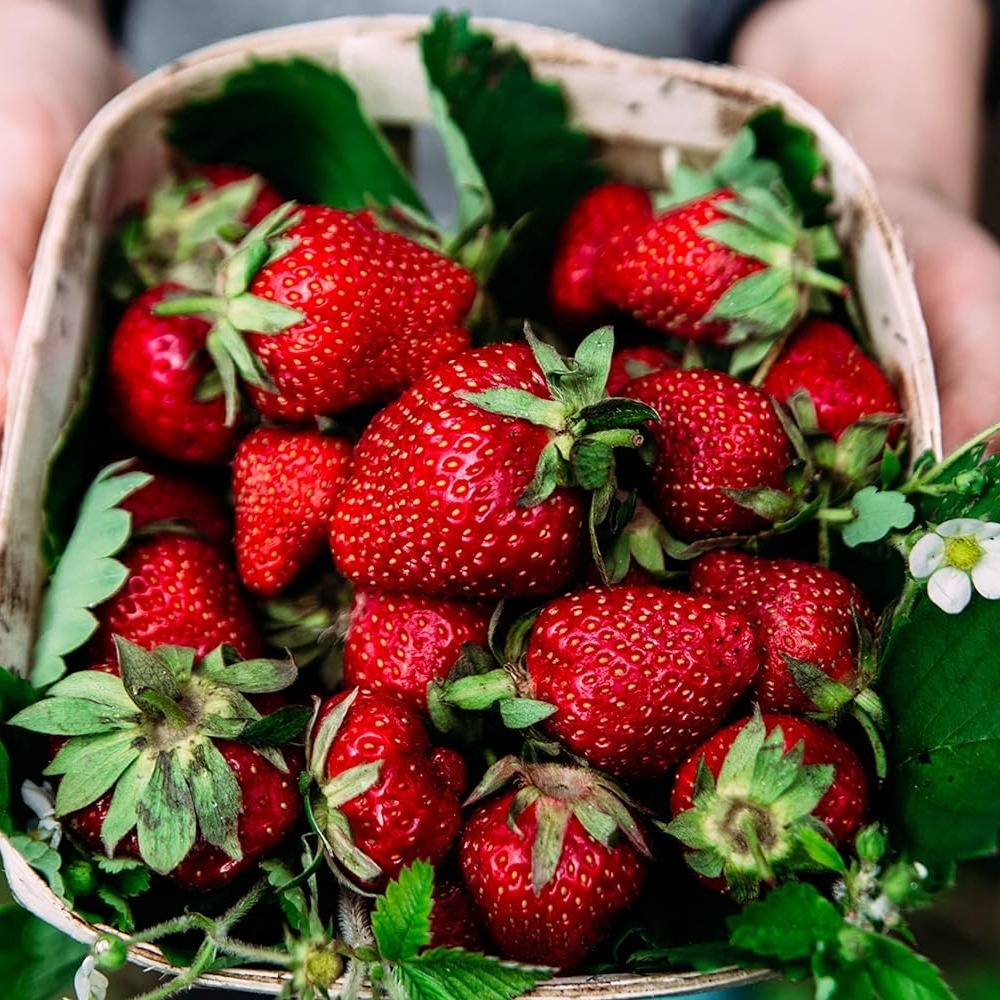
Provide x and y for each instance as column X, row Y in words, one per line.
column 40, row 800
column 955, row 557
column 90, row 983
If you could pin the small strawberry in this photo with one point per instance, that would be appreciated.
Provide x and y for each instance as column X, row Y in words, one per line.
column 803, row 613
column 753, row 803
column 472, row 483
column 716, row 436
column 180, row 591
column 844, row 385
column 158, row 368
column 384, row 795
column 398, row 643
column 600, row 214
column 630, row 363
column 720, row 268
column 552, row 864
column 285, row 481
column 155, row 767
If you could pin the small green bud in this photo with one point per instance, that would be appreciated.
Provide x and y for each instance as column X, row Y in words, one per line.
column 871, row 843
column 110, row 953
column 79, row 878
column 323, row 967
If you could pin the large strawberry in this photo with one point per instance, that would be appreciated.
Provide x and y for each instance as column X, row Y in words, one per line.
column 384, row 796
column 155, row 765
column 180, row 591
column 473, row 482
column 635, row 676
column 551, row 864
column 600, row 214
column 809, row 620
column 843, row 384
column 720, row 268
column 754, row 802
column 399, row 643
column 720, row 445
column 285, row 481
column 158, row 375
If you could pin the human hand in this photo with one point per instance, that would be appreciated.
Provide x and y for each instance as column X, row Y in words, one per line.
column 56, row 68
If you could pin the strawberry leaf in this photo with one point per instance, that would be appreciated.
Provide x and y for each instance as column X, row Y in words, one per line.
column 454, row 974
column 876, row 514
column 789, row 924
column 298, row 124
column 939, row 677
column 42, row 962
column 401, row 919
column 43, row 858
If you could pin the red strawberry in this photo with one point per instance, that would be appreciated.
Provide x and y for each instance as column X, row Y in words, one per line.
column 843, row 383
column 638, row 675
column 455, row 922
column 221, row 175
column 715, row 434
column 179, row 591
column 719, row 268
column 193, row 806
column 630, row 363
column 285, row 481
column 800, row 610
column 378, row 773
column 774, row 779
column 398, row 643
column 547, row 865
column 596, row 217
column 173, row 498
column 459, row 486
column 156, row 368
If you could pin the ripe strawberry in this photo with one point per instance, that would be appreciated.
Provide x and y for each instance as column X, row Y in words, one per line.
column 802, row 612
column 378, row 776
column 638, row 675
column 722, row 267
column 630, row 363
column 553, row 864
column 750, row 799
column 715, row 435
column 460, row 487
column 172, row 498
column 398, row 643
column 455, row 922
column 285, row 481
column 843, row 383
column 157, row 366
column 192, row 805
column 179, row 591
column 600, row 214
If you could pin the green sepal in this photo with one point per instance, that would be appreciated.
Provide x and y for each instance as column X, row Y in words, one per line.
column 216, row 796
column 550, row 473
column 766, row 302
column 73, row 717
column 520, row 405
column 277, row 729
column 320, row 735
column 248, row 313
column 520, row 713
column 90, row 765
column 224, row 666
column 826, row 694
column 551, row 821
column 165, row 816
column 342, row 850
column 480, row 691
column 144, row 676
column 770, row 504
column 129, row 791
column 351, row 783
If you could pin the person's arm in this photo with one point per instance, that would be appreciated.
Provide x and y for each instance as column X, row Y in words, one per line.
column 57, row 66
column 903, row 81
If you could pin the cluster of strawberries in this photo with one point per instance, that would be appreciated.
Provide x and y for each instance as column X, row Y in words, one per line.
column 306, row 401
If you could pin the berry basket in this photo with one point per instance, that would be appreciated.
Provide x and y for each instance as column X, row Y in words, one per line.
column 644, row 113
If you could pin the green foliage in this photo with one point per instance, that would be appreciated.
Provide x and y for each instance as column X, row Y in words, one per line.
column 402, row 917
column 876, row 514
column 300, row 126
column 38, row 962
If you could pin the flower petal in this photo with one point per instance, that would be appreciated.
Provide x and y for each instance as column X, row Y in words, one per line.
column 986, row 575
column 960, row 526
column 987, row 529
column 950, row 589
column 927, row 555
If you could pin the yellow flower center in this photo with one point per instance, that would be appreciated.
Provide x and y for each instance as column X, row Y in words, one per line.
column 963, row 552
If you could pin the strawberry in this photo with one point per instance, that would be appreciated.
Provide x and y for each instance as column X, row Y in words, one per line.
column 600, row 214
column 389, row 797
column 750, row 803
column 471, row 484
column 843, row 384
column 716, row 435
column 455, row 922
column 157, row 368
column 319, row 310
column 630, row 363
column 803, row 613
column 222, row 175
column 180, row 591
column 552, row 864
column 717, row 269
column 174, row 500
column 285, row 481
column 398, row 643
column 145, row 772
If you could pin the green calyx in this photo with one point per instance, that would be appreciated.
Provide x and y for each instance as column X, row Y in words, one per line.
column 149, row 736
column 233, row 311
column 587, row 426
column 754, row 823
column 761, row 225
column 558, row 793
column 183, row 240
